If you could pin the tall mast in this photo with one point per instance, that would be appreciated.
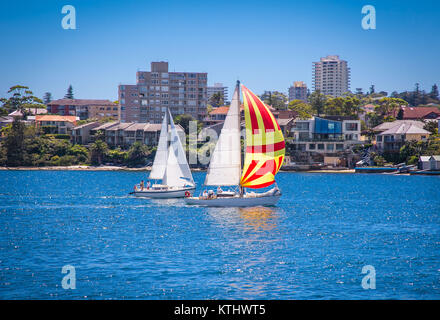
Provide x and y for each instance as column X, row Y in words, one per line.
column 239, row 137
column 239, row 119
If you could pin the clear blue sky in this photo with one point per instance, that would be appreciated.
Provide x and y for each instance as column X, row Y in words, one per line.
column 266, row 44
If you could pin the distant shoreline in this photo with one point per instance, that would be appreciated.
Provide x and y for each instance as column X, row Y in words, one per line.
column 76, row 168
column 121, row 168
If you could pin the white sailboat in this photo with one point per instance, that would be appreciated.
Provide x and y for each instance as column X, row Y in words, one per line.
column 170, row 166
column 263, row 158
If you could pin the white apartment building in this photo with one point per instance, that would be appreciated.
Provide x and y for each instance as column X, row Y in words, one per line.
column 331, row 76
column 325, row 135
column 218, row 88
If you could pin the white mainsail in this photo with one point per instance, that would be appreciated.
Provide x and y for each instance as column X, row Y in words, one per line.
column 225, row 165
column 177, row 173
column 160, row 160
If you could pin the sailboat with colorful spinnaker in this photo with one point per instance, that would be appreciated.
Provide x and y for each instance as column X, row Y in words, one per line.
column 264, row 155
column 170, row 166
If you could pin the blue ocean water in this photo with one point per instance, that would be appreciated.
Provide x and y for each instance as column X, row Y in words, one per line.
column 312, row 245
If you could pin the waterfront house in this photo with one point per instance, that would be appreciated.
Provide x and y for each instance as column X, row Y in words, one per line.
column 217, row 115
column 124, row 134
column 429, row 163
column 286, row 126
column 55, row 124
column 85, row 108
column 325, row 135
column 388, row 125
column 419, row 113
column 81, row 134
column 31, row 113
column 394, row 138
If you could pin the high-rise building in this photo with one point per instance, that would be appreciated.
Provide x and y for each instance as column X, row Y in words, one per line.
column 298, row 91
column 146, row 101
column 331, row 76
column 218, row 88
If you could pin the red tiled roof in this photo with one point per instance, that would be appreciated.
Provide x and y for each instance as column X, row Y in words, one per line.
column 80, row 102
column 419, row 112
column 50, row 117
column 220, row 110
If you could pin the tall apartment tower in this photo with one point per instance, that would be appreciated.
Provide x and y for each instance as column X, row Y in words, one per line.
column 331, row 76
column 146, row 101
column 298, row 91
column 218, row 88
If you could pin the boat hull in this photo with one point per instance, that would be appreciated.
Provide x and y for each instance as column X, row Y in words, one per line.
column 267, row 199
column 163, row 194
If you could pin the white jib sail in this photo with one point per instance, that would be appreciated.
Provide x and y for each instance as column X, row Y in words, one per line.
column 160, row 160
column 225, row 165
column 177, row 173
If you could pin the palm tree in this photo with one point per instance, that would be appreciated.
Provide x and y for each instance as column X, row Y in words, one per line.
column 98, row 150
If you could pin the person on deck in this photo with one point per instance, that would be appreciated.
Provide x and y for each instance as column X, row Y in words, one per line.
column 142, row 184
column 219, row 190
column 205, row 194
column 148, row 184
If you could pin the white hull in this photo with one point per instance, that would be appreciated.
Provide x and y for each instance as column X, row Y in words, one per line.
column 163, row 194
column 269, row 198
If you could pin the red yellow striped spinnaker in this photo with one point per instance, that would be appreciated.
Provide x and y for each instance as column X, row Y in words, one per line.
column 265, row 145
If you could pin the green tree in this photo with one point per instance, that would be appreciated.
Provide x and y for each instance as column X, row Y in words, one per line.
column 389, row 107
column 411, row 149
column 21, row 99
column 216, row 100
column 434, row 92
column 184, row 119
column 137, row 154
column 80, row 152
column 69, row 94
column 431, row 126
column 98, row 150
column 47, row 98
column 275, row 99
column 117, row 156
column 209, row 108
column 317, row 100
column 304, row 110
column 379, row 160
column 14, row 144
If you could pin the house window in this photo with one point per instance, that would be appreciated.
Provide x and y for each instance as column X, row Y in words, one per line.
column 339, row 146
column 320, row 146
column 379, row 138
column 303, row 136
column 351, row 126
column 312, row 146
column 302, row 126
column 330, row 147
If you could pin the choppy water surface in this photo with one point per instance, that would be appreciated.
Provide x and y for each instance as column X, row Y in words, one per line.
column 313, row 245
